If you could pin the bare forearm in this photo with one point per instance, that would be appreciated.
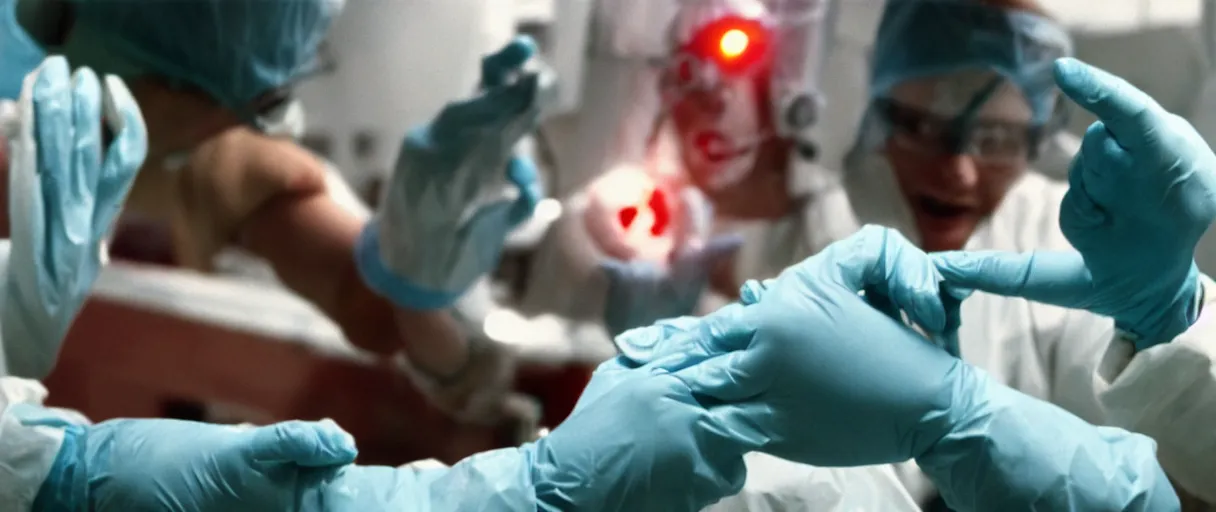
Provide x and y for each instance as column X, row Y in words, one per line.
column 309, row 241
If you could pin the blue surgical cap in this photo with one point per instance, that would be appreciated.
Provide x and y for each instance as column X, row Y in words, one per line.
column 234, row 50
column 925, row 38
column 19, row 54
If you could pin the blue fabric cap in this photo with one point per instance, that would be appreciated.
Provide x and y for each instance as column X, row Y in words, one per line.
column 921, row 38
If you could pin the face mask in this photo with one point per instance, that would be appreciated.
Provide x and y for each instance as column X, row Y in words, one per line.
column 19, row 54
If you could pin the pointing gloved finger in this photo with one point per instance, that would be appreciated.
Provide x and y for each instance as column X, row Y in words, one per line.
column 487, row 114
column 1052, row 277
column 1126, row 111
column 497, row 67
column 522, row 172
column 124, row 156
column 305, row 443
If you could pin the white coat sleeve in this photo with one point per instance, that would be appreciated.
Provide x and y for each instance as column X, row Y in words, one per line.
column 1167, row 392
column 26, row 452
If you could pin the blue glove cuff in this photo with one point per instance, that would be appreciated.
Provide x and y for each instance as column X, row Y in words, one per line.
column 66, row 486
column 395, row 288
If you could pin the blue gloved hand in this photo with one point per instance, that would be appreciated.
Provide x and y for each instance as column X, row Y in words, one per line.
column 640, row 292
column 1142, row 191
column 65, row 192
column 146, row 465
column 803, row 368
column 457, row 190
column 819, row 351
column 637, row 440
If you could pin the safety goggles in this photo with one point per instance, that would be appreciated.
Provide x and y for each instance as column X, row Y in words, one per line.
column 988, row 141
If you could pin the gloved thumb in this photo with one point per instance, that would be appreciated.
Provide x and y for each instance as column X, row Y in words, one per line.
column 305, row 443
column 725, row 378
column 1127, row 112
column 1059, row 278
column 522, row 173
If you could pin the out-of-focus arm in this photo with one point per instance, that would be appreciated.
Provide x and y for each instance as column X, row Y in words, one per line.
column 308, row 238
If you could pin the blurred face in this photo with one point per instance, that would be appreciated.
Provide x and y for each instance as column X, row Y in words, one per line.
column 950, row 194
column 177, row 120
column 726, row 145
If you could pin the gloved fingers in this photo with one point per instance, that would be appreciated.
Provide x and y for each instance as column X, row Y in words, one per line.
column 304, row 443
column 85, row 174
column 753, row 291
column 53, row 128
column 678, row 343
column 497, row 67
column 1077, row 209
column 522, row 172
column 1127, row 112
column 488, row 115
column 881, row 259
column 723, row 379
column 1108, row 180
column 1052, row 277
column 123, row 157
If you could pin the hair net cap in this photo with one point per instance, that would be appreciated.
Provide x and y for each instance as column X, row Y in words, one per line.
column 235, row 50
column 922, row 38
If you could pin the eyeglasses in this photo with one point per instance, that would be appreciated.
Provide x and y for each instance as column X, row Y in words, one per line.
column 993, row 142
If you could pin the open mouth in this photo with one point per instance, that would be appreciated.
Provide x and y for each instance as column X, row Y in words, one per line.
column 942, row 209
column 717, row 148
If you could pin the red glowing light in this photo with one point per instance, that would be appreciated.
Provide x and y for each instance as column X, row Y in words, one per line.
column 733, row 44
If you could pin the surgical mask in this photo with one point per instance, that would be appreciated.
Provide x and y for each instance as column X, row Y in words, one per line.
column 19, row 54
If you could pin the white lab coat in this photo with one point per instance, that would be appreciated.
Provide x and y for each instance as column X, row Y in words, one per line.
column 1068, row 357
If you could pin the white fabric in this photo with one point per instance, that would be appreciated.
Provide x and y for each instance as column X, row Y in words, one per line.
column 775, row 485
column 26, row 453
column 1167, row 392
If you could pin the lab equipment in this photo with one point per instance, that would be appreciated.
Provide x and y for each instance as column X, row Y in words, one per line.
column 1143, row 192
column 65, row 192
column 805, row 346
column 19, row 54
column 179, row 465
column 245, row 55
column 642, row 292
column 448, row 207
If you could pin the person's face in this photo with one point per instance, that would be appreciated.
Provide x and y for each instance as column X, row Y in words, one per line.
column 726, row 146
column 950, row 194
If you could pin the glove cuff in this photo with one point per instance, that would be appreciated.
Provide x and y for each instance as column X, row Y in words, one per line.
column 389, row 285
column 66, row 486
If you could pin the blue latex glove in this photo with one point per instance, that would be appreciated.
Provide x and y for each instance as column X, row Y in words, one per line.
column 457, row 190
column 820, row 351
column 169, row 465
column 637, row 440
column 640, row 292
column 65, row 192
column 1141, row 194
column 806, row 370
column 19, row 54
